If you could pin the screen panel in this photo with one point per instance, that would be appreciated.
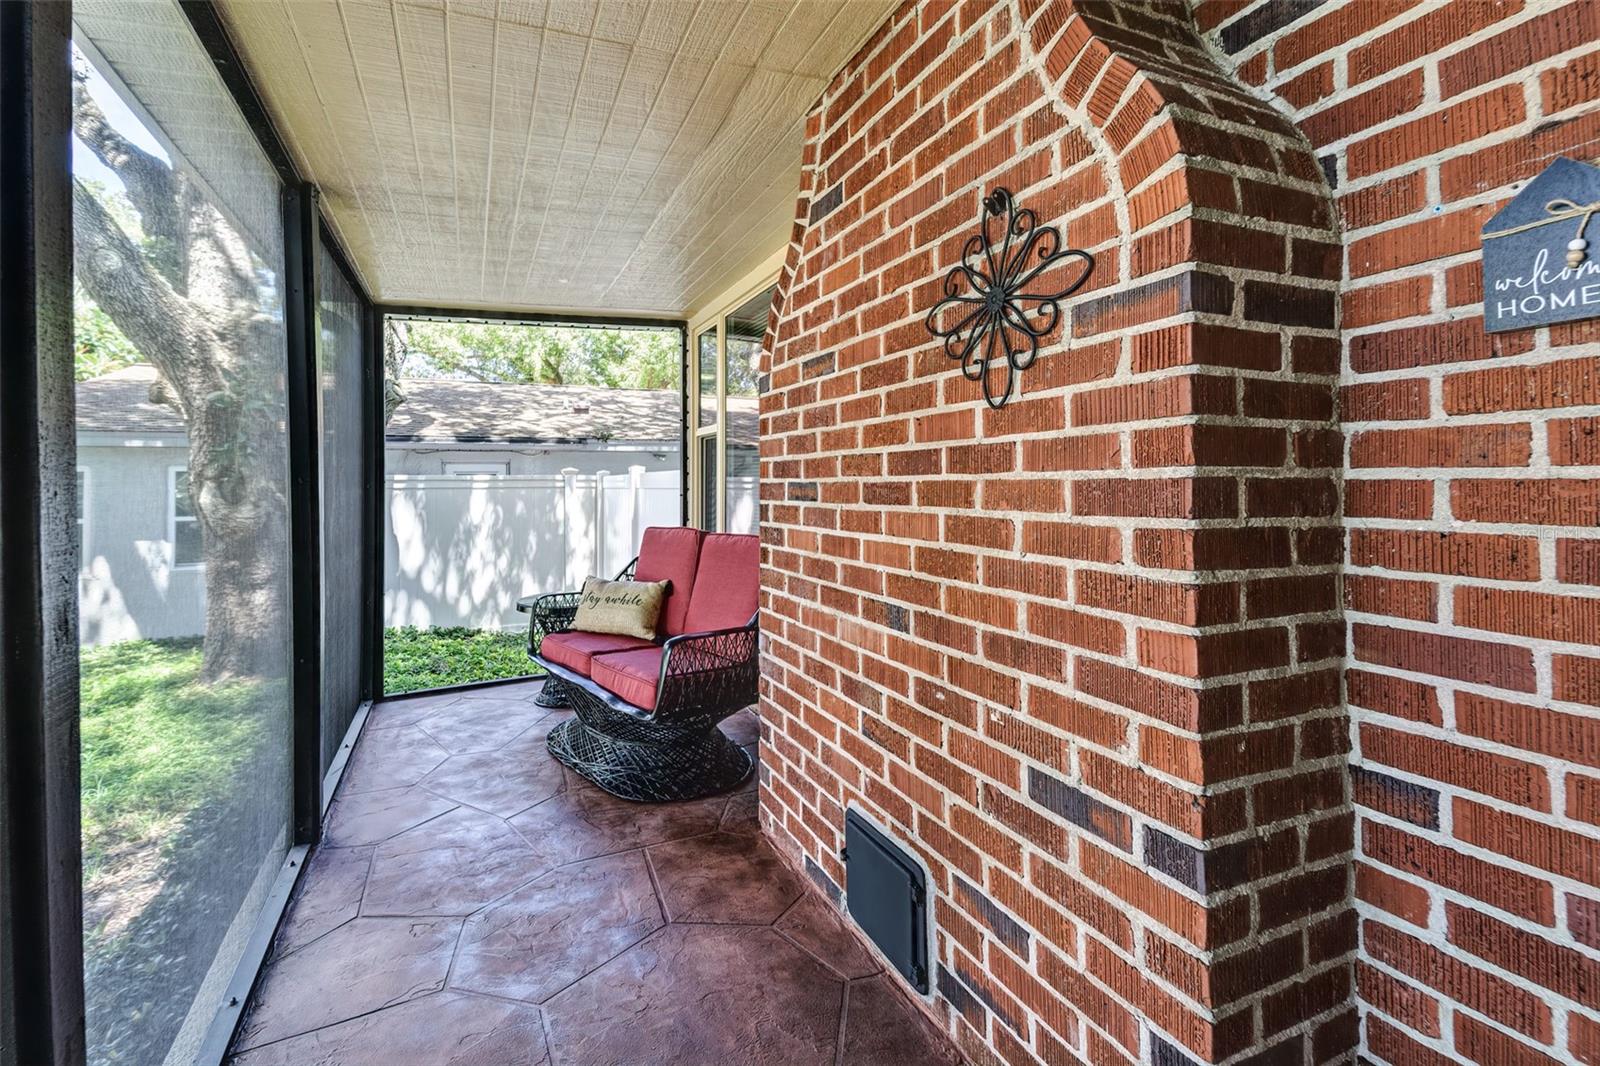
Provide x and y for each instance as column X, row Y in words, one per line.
column 519, row 458
column 184, row 604
column 340, row 352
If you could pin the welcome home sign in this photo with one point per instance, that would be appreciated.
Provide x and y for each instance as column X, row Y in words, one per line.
column 1541, row 263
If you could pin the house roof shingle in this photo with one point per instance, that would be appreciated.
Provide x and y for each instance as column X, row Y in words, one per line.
column 444, row 410
column 119, row 402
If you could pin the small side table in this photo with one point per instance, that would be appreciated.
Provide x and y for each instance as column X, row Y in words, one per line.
column 553, row 693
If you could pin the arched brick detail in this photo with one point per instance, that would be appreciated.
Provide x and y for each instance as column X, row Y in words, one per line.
column 1081, row 653
column 1470, row 477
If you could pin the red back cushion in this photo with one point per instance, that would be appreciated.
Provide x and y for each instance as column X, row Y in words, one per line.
column 670, row 553
column 727, row 588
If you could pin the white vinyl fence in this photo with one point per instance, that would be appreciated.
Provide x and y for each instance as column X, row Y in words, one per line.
column 460, row 550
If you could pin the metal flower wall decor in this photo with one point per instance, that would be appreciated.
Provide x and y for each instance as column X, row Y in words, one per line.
column 997, row 301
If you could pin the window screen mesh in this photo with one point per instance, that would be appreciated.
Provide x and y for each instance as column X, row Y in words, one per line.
column 340, row 372
column 184, row 593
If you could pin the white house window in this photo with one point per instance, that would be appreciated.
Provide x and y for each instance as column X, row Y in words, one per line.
column 468, row 469
column 182, row 522
column 83, row 516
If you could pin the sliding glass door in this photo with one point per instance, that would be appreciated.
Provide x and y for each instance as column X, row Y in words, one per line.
column 724, row 483
column 707, row 427
column 184, row 591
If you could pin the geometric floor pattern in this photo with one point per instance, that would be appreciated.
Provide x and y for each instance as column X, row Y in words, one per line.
column 476, row 904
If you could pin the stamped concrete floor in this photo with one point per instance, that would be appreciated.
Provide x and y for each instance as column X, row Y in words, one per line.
column 475, row 904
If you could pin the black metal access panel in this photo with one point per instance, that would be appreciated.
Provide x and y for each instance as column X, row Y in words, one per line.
column 887, row 895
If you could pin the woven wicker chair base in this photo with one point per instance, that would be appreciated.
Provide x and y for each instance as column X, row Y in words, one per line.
column 553, row 693
column 658, row 763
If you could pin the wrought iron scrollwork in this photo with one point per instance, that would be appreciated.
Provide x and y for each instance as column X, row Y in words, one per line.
column 998, row 312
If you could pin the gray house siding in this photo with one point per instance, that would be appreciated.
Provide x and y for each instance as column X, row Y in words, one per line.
column 434, row 458
column 128, row 586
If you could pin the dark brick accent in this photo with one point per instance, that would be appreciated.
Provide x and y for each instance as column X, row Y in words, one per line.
column 803, row 490
column 1004, row 926
column 1265, row 19
column 1080, row 808
column 976, row 988
column 1414, row 803
column 824, row 205
column 824, row 882
column 1190, row 291
column 1182, row 862
column 1164, row 1054
column 965, row 1003
column 817, row 366
column 1290, row 305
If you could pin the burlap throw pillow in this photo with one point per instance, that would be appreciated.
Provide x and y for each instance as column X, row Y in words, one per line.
column 627, row 608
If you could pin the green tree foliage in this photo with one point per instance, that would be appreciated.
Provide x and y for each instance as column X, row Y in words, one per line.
column 531, row 354
column 98, row 345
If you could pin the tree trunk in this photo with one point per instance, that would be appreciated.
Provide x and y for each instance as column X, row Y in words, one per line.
column 238, row 466
column 221, row 360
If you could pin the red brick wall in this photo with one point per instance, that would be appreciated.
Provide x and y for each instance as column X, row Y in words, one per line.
column 1082, row 654
column 1472, row 501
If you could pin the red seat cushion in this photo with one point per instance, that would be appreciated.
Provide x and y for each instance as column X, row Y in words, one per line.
column 574, row 650
column 670, row 553
column 728, row 583
column 630, row 674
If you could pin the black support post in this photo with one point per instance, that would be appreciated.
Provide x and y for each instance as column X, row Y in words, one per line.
column 305, row 531
column 374, row 502
column 41, row 902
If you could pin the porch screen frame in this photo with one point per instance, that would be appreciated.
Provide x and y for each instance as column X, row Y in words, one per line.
column 41, row 856
column 485, row 316
column 41, row 847
column 306, row 231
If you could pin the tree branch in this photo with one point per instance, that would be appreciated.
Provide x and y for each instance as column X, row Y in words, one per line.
column 152, row 185
column 139, row 300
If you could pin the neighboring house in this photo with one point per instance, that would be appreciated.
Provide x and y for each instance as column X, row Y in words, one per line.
column 465, row 461
column 446, row 427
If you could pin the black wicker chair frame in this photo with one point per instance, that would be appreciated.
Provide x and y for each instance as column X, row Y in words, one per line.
column 676, row 751
column 553, row 613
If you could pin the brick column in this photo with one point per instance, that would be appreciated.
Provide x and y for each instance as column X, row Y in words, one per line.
column 1472, row 497
column 1081, row 653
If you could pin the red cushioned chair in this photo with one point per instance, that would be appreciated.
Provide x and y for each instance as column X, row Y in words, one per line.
column 666, row 553
column 647, row 714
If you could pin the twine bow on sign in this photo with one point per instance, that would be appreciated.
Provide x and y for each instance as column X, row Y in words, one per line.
column 1558, row 209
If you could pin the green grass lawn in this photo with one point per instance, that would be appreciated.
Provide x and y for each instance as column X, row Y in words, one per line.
column 416, row 659
column 185, row 794
column 157, row 743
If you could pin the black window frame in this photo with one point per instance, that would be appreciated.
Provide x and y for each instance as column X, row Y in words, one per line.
column 41, row 905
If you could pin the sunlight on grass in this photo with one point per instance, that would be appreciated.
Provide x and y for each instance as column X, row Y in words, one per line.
column 156, row 742
column 415, row 659
column 176, row 823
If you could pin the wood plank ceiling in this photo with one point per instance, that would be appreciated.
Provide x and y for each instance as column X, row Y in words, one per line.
column 618, row 156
